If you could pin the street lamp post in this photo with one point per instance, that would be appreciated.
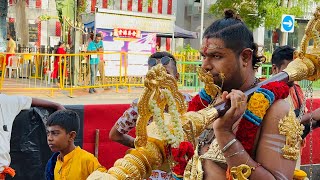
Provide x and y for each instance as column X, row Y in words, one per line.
column 202, row 19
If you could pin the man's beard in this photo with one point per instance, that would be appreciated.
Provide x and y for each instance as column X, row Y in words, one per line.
column 218, row 81
column 227, row 84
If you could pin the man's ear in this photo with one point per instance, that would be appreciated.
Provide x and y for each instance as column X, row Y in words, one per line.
column 274, row 69
column 246, row 57
column 177, row 76
column 72, row 135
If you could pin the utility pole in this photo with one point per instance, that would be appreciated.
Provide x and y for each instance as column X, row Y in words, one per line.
column 202, row 19
column 3, row 24
column 284, row 39
column 76, row 44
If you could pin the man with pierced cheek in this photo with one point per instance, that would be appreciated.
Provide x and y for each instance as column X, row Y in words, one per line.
column 230, row 55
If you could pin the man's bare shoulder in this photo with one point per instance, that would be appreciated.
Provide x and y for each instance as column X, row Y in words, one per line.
column 275, row 113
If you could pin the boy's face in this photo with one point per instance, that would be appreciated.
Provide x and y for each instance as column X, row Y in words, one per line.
column 58, row 139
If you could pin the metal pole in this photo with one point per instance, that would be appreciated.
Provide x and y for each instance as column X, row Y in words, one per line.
column 75, row 49
column 202, row 19
column 173, row 40
column 75, row 23
column 95, row 21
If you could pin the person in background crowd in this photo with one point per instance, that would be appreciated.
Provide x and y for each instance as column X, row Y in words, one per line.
column 281, row 57
column 11, row 48
column 57, row 61
column 94, row 47
column 68, row 161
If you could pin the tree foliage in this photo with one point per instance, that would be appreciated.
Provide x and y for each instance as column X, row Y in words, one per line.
column 65, row 8
column 3, row 8
column 256, row 12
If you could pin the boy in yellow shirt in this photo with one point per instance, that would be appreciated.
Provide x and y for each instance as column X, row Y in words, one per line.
column 72, row 163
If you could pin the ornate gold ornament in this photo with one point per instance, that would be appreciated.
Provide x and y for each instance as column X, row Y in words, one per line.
column 206, row 77
column 214, row 153
column 156, row 79
column 97, row 175
column 194, row 169
column 292, row 129
column 241, row 172
column 306, row 64
column 149, row 152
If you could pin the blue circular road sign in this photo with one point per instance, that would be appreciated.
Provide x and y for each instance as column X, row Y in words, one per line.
column 288, row 23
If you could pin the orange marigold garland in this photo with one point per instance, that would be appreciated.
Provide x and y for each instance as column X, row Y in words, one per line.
column 258, row 104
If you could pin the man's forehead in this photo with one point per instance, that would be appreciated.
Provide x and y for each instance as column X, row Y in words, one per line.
column 211, row 44
column 54, row 128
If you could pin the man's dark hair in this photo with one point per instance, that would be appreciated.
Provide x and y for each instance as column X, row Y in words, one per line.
column 66, row 119
column 282, row 53
column 235, row 35
column 159, row 55
column 98, row 35
column 60, row 43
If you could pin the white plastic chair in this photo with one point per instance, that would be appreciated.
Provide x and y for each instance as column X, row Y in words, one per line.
column 13, row 64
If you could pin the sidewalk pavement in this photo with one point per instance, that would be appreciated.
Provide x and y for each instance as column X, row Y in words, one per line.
column 82, row 97
column 103, row 96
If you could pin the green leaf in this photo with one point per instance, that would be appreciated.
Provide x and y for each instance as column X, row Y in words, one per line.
column 256, row 12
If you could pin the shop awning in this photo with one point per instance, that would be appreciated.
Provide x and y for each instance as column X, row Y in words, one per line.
column 180, row 33
column 89, row 25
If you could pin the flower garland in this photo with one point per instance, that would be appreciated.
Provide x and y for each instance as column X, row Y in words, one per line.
column 175, row 137
column 181, row 151
column 181, row 155
column 258, row 105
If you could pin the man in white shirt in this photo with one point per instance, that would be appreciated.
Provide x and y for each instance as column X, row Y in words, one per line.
column 10, row 107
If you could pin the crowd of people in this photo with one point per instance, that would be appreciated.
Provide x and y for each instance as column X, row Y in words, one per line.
column 231, row 56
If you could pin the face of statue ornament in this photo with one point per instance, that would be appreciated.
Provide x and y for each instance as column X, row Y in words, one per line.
column 223, row 63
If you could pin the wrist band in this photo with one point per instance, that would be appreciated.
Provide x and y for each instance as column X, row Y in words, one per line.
column 228, row 145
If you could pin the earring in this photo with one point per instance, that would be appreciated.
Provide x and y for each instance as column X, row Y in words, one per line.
column 245, row 64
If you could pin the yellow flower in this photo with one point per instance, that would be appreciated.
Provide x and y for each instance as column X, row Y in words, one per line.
column 258, row 104
column 259, row 95
column 253, row 104
column 299, row 174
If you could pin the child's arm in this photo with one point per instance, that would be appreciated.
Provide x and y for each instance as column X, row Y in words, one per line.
column 94, row 165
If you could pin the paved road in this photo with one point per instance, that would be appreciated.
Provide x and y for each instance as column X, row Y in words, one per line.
column 107, row 96
column 103, row 96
